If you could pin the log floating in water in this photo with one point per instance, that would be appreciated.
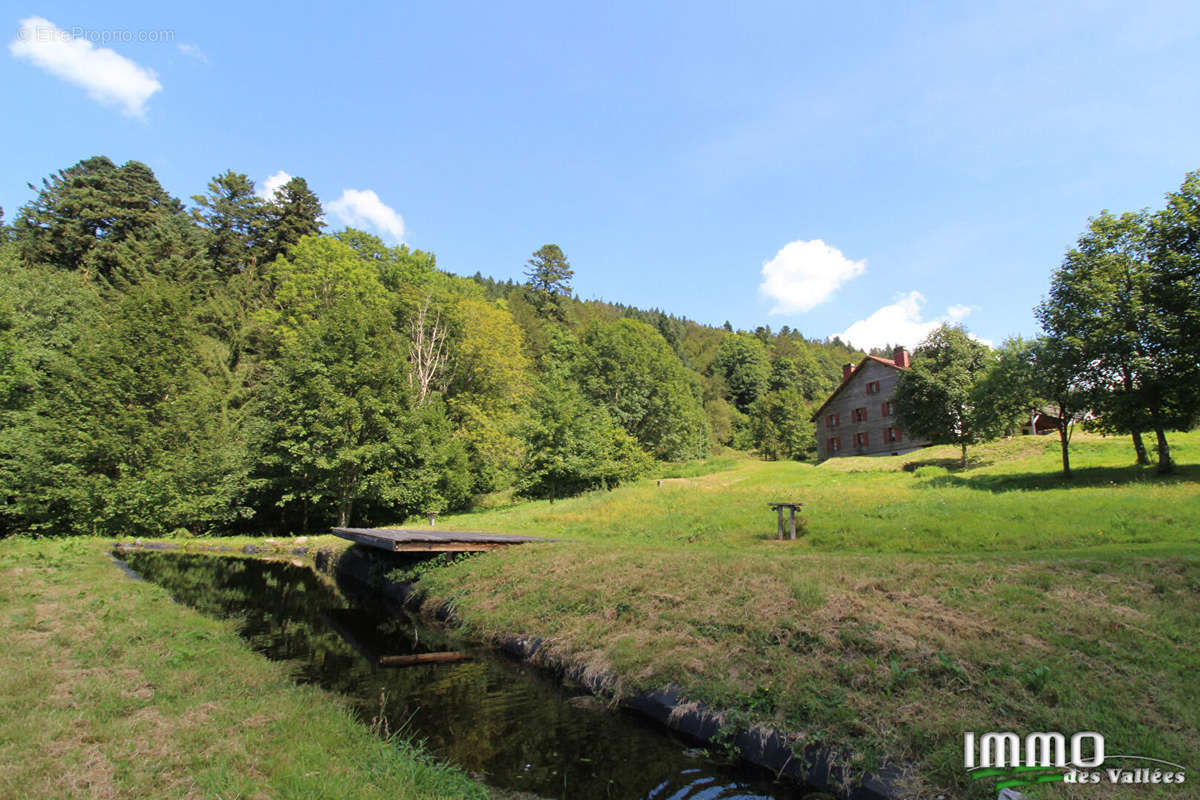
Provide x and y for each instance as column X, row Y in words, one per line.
column 422, row 658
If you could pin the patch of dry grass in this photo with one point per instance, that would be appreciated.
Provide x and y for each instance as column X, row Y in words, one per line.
column 895, row 655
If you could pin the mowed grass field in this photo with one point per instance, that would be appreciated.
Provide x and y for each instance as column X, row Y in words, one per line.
column 108, row 689
column 920, row 601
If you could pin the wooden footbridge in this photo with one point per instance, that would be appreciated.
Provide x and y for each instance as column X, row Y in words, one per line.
column 424, row 540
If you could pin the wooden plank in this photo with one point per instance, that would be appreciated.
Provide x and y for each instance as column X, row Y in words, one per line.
column 422, row 658
column 444, row 547
column 409, row 540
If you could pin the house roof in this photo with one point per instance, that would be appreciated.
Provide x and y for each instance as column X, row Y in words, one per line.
column 846, row 381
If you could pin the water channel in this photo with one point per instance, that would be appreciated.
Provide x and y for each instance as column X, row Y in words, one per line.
column 504, row 722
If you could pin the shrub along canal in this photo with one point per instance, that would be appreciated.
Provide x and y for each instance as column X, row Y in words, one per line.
column 505, row 722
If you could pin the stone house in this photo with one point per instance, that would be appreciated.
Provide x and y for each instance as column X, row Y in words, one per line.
column 858, row 418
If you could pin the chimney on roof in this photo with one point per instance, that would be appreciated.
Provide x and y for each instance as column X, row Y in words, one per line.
column 900, row 356
column 847, row 371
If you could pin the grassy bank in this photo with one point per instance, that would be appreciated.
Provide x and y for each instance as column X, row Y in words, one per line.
column 108, row 689
column 922, row 602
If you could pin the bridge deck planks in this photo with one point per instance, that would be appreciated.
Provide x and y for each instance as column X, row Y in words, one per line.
column 418, row 540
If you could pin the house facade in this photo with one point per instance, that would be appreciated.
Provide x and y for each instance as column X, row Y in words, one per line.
column 858, row 419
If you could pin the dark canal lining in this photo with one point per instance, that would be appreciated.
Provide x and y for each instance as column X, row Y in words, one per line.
column 501, row 721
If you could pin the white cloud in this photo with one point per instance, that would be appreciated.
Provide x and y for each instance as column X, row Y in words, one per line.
column 271, row 184
column 192, row 51
column 362, row 208
column 901, row 323
column 108, row 77
column 958, row 312
column 803, row 275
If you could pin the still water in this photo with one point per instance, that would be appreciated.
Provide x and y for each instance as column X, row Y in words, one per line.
column 504, row 722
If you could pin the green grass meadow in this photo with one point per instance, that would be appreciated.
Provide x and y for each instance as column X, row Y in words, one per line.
column 919, row 602
column 108, row 689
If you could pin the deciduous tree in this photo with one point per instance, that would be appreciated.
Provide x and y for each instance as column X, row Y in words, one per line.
column 629, row 368
column 936, row 399
column 741, row 360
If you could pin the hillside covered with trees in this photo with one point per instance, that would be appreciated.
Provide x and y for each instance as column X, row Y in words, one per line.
column 230, row 365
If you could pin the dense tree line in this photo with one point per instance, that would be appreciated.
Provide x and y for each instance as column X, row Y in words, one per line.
column 231, row 366
column 1120, row 349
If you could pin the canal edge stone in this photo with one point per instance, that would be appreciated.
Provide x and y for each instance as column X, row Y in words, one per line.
column 815, row 767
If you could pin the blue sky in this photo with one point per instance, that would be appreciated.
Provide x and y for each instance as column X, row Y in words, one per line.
column 860, row 168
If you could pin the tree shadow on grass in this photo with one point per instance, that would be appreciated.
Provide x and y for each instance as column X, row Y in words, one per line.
column 1085, row 477
column 953, row 464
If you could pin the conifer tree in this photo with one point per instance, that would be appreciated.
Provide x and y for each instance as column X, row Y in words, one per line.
column 550, row 277
column 235, row 222
column 294, row 212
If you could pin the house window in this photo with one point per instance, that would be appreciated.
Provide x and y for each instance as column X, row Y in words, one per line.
column 860, row 415
column 860, row 439
column 887, row 409
column 832, row 421
column 873, row 387
column 835, row 444
column 892, row 435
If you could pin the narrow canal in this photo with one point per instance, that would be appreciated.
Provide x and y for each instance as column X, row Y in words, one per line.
column 504, row 722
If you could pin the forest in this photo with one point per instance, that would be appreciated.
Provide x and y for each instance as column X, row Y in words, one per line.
column 229, row 365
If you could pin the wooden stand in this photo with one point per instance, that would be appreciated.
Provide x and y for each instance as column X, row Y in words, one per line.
column 791, row 507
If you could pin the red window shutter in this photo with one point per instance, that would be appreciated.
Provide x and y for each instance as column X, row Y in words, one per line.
column 883, row 410
column 897, row 431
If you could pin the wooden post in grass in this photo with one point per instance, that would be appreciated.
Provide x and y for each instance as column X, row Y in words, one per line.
column 779, row 507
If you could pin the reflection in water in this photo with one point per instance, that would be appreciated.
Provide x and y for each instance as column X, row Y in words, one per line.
column 501, row 721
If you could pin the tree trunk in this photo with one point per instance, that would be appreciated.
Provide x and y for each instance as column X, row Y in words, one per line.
column 1165, row 467
column 1164, row 450
column 964, row 455
column 1142, row 459
column 1140, row 448
column 1064, row 439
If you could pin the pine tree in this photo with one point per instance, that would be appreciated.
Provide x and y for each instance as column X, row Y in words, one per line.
column 111, row 222
column 550, row 277
column 235, row 221
column 295, row 212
